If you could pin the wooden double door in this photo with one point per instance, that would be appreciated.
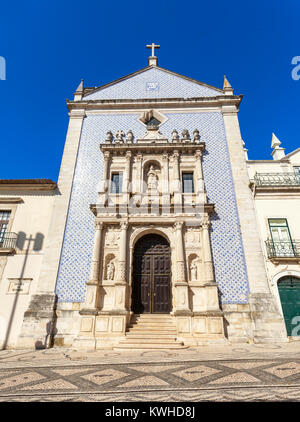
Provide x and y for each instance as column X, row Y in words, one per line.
column 151, row 287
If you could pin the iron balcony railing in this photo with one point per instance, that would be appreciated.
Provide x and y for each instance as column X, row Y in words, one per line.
column 283, row 249
column 276, row 179
column 8, row 240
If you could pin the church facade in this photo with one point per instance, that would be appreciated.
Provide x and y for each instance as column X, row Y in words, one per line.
column 159, row 230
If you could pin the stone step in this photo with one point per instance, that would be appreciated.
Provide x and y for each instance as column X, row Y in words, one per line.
column 152, row 316
column 152, row 324
column 150, row 332
column 141, row 334
column 165, row 330
column 134, row 346
column 150, row 340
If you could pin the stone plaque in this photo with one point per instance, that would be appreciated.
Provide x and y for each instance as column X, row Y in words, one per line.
column 19, row 286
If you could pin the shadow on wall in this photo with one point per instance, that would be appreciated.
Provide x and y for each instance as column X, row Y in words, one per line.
column 24, row 243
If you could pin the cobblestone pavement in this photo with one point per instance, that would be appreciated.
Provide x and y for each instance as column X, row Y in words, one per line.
column 219, row 373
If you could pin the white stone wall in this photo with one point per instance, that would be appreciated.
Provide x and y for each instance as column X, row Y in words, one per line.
column 30, row 216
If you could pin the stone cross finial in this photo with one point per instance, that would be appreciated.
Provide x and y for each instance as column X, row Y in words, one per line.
column 152, row 60
column 153, row 46
column 120, row 136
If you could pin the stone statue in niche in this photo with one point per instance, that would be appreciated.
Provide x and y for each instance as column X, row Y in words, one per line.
column 193, row 269
column 152, row 179
column 110, row 271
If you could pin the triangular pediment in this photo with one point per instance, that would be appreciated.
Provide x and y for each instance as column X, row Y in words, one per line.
column 153, row 82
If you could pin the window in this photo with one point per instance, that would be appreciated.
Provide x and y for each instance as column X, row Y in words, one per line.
column 281, row 238
column 188, row 182
column 4, row 219
column 297, row 173
column 116, row 182
column 153, row 122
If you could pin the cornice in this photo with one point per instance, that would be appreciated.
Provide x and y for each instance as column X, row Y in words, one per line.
column 218, row 101
column 171, row 218
column 19, row 186
column 149, row 147
column 8, row 200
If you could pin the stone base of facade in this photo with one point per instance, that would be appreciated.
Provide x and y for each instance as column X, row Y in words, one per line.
column 87, row 331
column 200, row 328
column 38, row 326
column 257, row 322
column 269, row 325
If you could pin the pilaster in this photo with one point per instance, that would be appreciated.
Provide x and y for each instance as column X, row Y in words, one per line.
column 37, row 319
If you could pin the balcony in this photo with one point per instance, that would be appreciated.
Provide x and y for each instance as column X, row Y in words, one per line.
column 8, row 242
column 276, row 179
column 283, row 250
column 271, row 184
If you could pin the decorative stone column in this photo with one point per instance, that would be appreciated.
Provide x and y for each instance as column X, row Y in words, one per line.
column 103, row 189
column 177, row 184
column 207, row 257
column 122, row 252
column 199, row 178
column 182, row 292
column 179, row 252
column 105, row 175
column 138, row 160
column 92, row 285
column 211, row 287
column 165, row 184
column 121, row 285
column 126, row 178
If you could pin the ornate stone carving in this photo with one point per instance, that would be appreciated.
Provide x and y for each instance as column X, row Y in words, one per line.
column 109, row 137
column 110, row 271
column 198, row 154
column 196, row 137
column 120, row 137
column 178, row 225
column 98, row 225
column 124, row 225
column 112, row 237
column 175, row 136
column 194, row 271
column 192, row 238
column 185, row 136
column 205, row 222
column 122, row 270
column 152, row 179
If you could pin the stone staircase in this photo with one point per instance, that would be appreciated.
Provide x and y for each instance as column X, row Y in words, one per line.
column 151, row 332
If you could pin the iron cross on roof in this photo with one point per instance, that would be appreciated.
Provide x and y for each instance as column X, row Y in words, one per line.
column 153, row 46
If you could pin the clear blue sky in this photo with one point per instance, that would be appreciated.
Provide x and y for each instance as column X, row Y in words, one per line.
column 50, row 45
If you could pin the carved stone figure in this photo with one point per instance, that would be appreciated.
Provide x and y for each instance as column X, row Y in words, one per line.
column 129, row 137
column 152, row 179
column 109, row 137
column 193, row 269
column 196, row 136
column 175, row 136
column 110, row 271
